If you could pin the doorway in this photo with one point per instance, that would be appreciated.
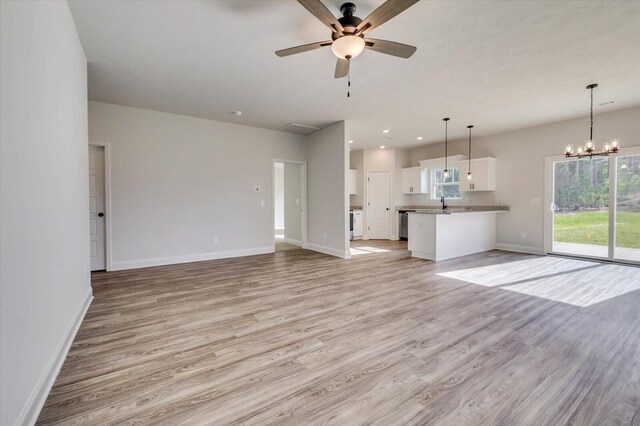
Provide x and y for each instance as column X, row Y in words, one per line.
column 97, row 208
column 289, row 205
column 378, row 205
column 594, row 207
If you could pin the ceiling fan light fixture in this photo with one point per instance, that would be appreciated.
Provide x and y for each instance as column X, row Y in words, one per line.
column 348, row 46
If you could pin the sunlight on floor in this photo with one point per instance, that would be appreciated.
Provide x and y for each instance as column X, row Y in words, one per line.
column 355, row 251
column 576, row 282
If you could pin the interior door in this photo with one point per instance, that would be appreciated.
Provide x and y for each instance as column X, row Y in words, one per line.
column 378, row 206
column 96, row 207
column 293, row 203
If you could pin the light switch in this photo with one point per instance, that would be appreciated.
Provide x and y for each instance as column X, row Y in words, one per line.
column 261, row 203
column 297, row 200
column 536, row 200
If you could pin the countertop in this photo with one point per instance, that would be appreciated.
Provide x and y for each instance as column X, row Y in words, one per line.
column 355, row 208
column 454, row 209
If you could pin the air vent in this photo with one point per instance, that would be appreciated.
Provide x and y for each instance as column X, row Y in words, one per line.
column 299, row 129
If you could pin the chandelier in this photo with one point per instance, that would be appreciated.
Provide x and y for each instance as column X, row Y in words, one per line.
column 589, row 148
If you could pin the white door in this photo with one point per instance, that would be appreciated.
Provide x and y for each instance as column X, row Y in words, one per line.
column 96, row 207
column 378, row 205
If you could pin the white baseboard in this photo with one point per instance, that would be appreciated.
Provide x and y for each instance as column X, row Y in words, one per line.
column 520, row 249
column 198, row 257
column 290, row 241
column 328, row 250
column 32, row 408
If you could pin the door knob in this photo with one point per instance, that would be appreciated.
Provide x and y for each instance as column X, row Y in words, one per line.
column 100, row 214
column 387, row 208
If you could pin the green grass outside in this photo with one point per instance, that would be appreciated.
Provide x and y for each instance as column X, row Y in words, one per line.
column 592, row 227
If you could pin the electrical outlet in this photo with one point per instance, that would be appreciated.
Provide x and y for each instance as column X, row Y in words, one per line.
column 261, row 203
column 497, row 200
column 216, row 241
column 324, row 236
column 523, row 235
column 297, row 200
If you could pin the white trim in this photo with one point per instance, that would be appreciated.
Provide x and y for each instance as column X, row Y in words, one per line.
column 328, row 250
column 32, row 408
column 196, row 257
column 423, row 255
column 290, row 241
column 107, row 201
column 520, row 249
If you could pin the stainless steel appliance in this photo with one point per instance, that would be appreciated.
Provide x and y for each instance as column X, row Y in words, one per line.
column 403, row 224
column 351, row 225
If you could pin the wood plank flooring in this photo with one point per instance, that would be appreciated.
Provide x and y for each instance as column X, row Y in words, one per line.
column 298, row 337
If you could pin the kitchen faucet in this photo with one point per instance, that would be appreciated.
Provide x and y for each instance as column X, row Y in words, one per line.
column 444, row 205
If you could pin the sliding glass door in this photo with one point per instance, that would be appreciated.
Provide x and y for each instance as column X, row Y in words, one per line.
column 581, row 207
column 627, row 240
column 594, row 207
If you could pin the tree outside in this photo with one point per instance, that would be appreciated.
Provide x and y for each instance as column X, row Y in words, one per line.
column 582, row 201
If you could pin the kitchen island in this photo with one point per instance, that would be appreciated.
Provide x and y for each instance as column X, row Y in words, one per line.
column 438, row 234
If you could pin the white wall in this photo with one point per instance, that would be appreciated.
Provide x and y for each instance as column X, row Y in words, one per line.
column 293, row 202
column 328, row 195
column 520, row 167
column 178, row 182
column 44, row 221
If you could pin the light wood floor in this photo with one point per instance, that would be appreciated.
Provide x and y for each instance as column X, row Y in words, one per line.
column 298, row 337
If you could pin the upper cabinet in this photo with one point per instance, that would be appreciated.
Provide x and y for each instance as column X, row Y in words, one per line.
column 483, row 175
column 414, row 181
column 353, row 182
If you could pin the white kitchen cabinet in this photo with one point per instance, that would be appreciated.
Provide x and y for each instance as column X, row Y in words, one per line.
column 358, row 224
column 414, row 181
column 353, row 182
column 483, row 175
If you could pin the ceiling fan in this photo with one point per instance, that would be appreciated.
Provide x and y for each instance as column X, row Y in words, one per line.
column 348, row 34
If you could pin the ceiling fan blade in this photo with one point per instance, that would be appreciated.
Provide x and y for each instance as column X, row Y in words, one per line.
column 303, row 48
column 342, row 68
column 386, row 11
column 390, row 47
column 320, row 11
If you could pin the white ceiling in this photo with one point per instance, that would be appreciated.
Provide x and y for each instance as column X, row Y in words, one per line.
column 496, row 64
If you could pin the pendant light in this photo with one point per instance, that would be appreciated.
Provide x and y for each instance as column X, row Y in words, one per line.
column 469, row 172
column 588, row 150
column 446, row 164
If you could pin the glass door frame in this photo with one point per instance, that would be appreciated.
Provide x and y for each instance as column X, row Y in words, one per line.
column 548, row 205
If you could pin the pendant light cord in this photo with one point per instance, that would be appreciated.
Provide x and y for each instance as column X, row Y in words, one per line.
column 470, row 149
column 446, row 138
column 591, row 128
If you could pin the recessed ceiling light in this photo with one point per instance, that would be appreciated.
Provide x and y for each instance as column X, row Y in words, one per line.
column 386, row 131
column 351, row 141
column 419, row 138
column 238, row 113
column 381, row 146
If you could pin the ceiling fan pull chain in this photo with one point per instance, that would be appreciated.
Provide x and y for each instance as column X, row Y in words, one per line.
column 348, row 84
